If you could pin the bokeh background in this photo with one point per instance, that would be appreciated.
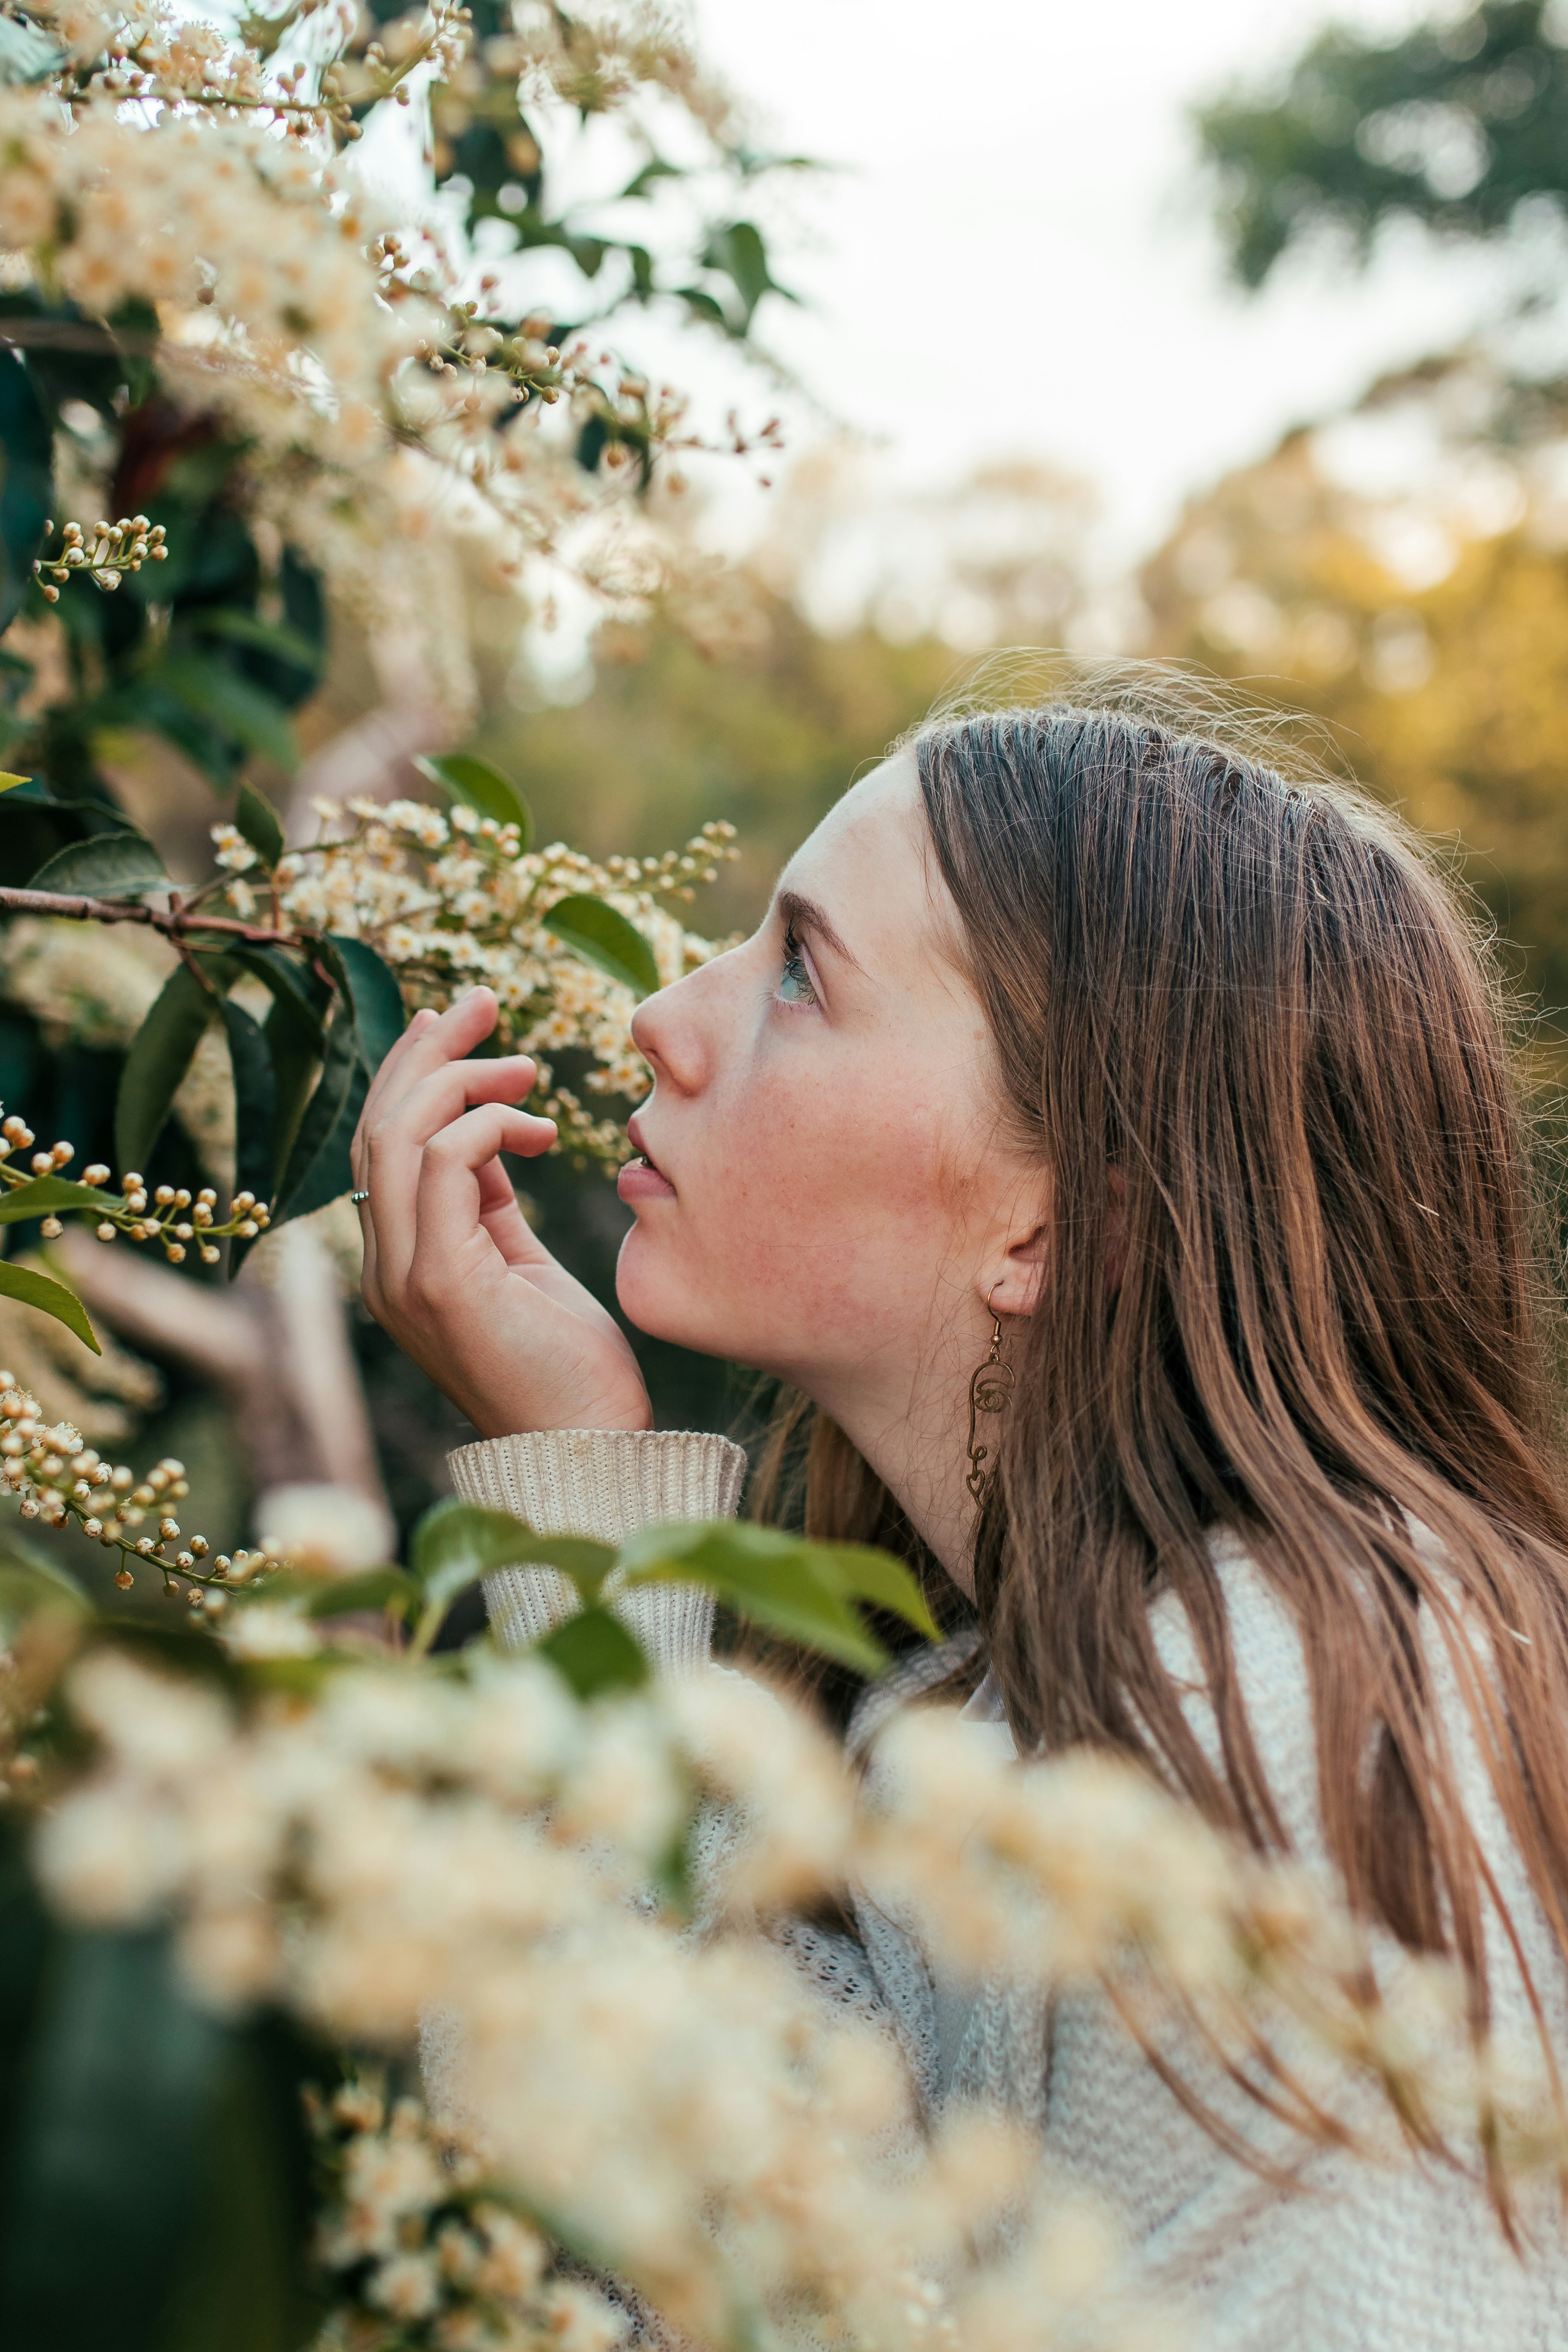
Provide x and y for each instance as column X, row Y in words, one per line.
column 1232, row 335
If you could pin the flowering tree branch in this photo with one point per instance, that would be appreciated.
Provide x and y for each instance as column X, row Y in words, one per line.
column 176, row 922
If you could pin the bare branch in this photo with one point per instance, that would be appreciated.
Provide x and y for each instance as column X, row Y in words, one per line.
column 173, row 925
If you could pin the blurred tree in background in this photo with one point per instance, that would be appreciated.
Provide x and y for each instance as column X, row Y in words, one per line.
column 1400, row 570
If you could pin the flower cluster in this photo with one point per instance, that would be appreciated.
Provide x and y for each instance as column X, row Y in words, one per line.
column 195, row 182
column 112, row 550
column 169, row 1213
column 59, row 1481
column 482, row 1849
column 421, row 2248
column 451, row 900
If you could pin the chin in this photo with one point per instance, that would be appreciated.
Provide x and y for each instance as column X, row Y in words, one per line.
column 668, row 1302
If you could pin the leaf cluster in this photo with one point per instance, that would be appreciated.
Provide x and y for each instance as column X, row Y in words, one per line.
column 1457, row 123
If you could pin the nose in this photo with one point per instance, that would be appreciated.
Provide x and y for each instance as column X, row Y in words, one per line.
column 673, row 1031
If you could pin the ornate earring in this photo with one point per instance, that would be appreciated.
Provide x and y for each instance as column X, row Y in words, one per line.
column 990, row 1391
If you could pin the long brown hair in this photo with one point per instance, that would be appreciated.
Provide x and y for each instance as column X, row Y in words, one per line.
column 1259, row 1002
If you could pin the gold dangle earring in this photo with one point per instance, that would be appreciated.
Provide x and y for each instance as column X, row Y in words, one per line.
column 990, row 1391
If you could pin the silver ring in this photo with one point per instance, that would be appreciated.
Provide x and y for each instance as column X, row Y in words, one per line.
column 359, row 1196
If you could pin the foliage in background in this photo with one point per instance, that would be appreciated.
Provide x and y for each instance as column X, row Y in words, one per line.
column 1460, row 122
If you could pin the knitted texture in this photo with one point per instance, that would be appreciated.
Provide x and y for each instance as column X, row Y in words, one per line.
column 604, row 1483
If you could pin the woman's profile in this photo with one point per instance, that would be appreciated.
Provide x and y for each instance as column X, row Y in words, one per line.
column 1116, row 1145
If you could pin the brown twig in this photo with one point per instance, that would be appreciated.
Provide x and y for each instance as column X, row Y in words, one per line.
column 174, row 925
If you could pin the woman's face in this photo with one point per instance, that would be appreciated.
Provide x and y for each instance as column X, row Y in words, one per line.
column 831, row 1192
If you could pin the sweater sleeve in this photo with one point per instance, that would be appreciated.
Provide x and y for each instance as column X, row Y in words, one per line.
column 603, row 1483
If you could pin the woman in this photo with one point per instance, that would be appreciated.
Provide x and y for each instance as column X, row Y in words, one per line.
column 1101, row 1054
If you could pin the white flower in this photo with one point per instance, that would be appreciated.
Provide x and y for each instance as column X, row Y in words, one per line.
column 408, row 2286
column 111, row 1856
column 269, row 1629
column 324, row 1529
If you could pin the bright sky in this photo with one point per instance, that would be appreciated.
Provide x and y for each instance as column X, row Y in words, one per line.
column 1016, row 258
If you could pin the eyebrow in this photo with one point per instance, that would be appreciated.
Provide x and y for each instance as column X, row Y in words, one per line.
column 799, row 914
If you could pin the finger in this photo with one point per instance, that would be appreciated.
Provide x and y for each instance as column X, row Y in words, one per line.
column 453, row 1167
column 430, row 1039
column 424, row 1019
column 395, row 1143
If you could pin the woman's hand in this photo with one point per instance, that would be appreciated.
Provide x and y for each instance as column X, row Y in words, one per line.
column 451, row 1269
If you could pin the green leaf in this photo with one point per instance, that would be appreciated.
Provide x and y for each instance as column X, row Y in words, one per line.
column 876, row 1577
column 209, row 690
column 374, row 996
column 604, row 938
column 483, row 788
column 274, row 637
column 377, row 1588
column 798, row 1588
column 7, row 781
column 40, row 1290
column 286, row 978
column 255, row 1100
column 456, row 1543
column 112, row 866
column 27, row 471
column 47, row 1196
column 256, row 820
column 294, row 1043
column 160, row 1056
column 595, row 1652
column 319, row 1153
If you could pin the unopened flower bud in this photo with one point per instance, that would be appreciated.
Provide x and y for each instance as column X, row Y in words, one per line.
column 199, row 1545
column 132, row 1180
column 168, row 1529
column 210, row 1253
column 105, row 1232
column 29, row 1506
column 125, row 1580
column 202, row 1215
column 81, row 1492
column 249, row 1229
column 222, row 1564
column 97, row 1174
column 175, row 1252
column 92, row 1527
column 185, row 1233
column 195, row 1596
column 145, row 1546
column 215, row 1603
column 136, row 1201
column 182, row 1199
column 121, row 1478
column 145, row 1494
column 51, row 1229
column 206, row 1198
column 243, row 1200
column 43, row 1163
column 62, row 1154
column 184, row 1559
column 163, row 1195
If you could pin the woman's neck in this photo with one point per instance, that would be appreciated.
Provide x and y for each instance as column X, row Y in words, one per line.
column 911, row 1432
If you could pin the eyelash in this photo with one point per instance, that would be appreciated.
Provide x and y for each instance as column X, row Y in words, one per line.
column 794, row 970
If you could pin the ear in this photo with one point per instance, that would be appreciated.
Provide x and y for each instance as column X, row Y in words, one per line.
column 1014, row 1281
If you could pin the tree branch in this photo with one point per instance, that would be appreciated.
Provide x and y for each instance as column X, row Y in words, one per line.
column 174, row 925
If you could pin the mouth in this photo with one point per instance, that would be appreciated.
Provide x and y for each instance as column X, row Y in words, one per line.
column 642, row 1179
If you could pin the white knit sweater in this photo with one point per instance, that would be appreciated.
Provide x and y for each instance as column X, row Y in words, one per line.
column 1401, row 2258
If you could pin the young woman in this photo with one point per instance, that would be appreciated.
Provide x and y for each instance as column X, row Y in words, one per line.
column 1182, row 1090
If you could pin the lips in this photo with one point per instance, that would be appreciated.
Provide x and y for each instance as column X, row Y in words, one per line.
column 642, row 1179
column 633, row 1131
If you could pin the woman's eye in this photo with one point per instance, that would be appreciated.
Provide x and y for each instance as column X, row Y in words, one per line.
column 794, row 980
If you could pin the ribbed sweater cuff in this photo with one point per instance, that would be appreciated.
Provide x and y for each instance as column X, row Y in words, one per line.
column 604, row 1483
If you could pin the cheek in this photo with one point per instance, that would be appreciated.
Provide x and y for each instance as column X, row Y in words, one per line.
column 810, row 1222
